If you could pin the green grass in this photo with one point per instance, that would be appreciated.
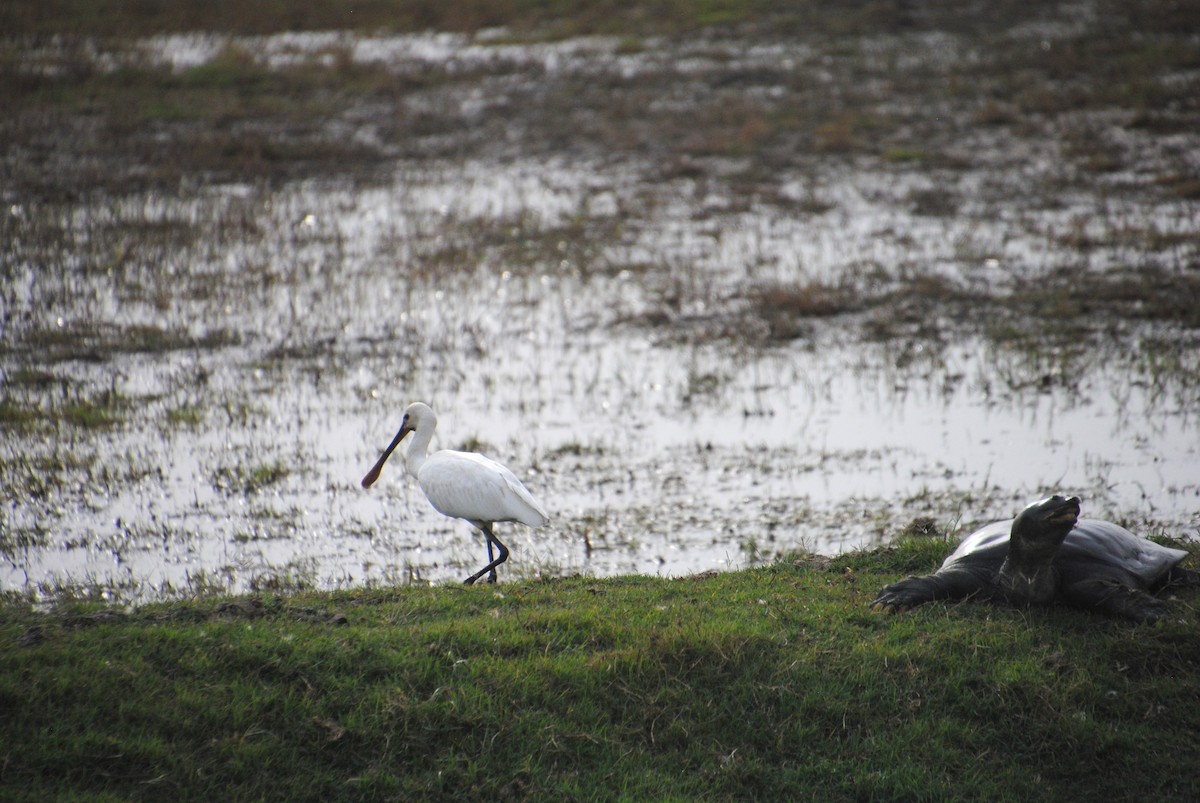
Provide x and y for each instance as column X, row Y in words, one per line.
column 560, row 18
column 557, row 17
column 86, row 414
column 771, row 683
column 16, row 416
column 249, row 480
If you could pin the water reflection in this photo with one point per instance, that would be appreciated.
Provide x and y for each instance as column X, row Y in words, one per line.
column 583, row 322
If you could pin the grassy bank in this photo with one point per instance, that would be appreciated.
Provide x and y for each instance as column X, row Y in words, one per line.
column 772, row 683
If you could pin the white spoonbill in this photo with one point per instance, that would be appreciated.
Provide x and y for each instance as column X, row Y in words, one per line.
column 463, row 485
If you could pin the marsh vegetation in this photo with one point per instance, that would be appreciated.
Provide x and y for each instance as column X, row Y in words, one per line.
column 724, row 284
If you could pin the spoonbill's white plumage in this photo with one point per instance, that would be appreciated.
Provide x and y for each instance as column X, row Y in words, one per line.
column 463, row 485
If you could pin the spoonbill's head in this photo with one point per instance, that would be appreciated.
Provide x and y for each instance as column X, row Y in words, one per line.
column 418, row 416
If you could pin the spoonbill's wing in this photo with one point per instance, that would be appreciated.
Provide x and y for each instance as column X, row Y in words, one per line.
column 470, row 486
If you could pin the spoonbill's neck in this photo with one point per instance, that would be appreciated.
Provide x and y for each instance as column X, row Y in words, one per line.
column 418, row 449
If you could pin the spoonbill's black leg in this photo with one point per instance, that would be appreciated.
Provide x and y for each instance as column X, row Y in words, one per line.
column 490, row 569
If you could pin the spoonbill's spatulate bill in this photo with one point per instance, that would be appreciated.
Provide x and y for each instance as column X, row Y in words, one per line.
column 463, row 485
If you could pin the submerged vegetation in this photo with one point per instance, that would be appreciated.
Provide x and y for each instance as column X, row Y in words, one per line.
column 913, row 252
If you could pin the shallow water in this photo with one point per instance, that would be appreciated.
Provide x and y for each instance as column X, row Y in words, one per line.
column 586, row 322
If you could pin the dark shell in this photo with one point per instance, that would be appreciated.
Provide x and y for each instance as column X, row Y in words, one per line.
column 1094, row 547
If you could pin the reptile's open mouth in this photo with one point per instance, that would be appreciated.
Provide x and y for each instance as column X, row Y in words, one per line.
column 1068, row 512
